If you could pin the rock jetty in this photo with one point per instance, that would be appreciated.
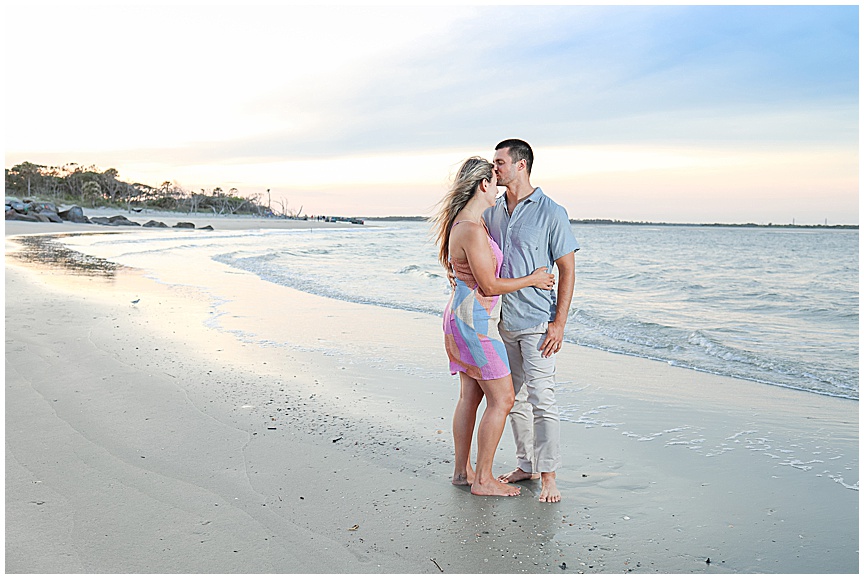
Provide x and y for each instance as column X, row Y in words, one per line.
column 33, row 211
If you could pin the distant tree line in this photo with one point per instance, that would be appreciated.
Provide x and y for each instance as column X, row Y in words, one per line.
column 73, row 184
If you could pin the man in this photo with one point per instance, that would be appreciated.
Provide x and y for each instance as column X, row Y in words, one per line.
column 532, row 231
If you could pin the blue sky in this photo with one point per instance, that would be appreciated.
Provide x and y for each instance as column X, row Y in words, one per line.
column 674, row 113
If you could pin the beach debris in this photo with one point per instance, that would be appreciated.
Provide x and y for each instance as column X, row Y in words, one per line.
column 354, row 528
column 337, row 439
column 136, row 300
column 708, row 561
column 563, row 566
column 437, row 565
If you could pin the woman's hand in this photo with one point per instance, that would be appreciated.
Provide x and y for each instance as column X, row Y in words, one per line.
column 541, row 279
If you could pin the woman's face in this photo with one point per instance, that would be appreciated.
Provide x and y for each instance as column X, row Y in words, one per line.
column 491, row 190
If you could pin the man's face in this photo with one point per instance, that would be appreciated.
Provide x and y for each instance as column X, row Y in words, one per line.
column 505, row 169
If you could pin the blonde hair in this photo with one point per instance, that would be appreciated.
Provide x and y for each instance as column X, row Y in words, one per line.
column 468, row 178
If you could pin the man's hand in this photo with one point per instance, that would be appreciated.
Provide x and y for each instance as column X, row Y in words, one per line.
column 554, row 338
column 555, row 333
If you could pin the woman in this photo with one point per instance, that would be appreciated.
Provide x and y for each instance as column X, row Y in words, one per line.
column 475, row 349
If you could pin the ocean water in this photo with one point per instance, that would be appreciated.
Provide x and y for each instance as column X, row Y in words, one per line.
column 776, row 306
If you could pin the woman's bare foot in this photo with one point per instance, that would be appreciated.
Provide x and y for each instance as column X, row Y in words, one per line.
column 464, row 478
column 517, row 475
column 493, row 488
column 549, row 493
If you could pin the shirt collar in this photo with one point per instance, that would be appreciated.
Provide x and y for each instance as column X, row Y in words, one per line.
column 536, row 195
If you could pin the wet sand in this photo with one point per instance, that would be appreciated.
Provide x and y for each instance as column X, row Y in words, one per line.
column 141, row 438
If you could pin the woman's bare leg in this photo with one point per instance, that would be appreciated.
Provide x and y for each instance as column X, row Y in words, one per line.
column 499, row 401
column 464, row 418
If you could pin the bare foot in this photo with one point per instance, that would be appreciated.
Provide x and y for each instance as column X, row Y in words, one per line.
column 549, row 493
column 493, row 488
column 460, row 480
column 464, row 478
column 517, row 475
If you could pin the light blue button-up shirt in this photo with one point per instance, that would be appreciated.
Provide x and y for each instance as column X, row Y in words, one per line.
column 535, row 235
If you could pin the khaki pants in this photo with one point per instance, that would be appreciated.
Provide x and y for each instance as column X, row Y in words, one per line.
column 534, row 419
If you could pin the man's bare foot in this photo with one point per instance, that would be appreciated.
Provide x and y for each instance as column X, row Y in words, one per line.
column 493, row 488
column 549, row 493
column 517, row 475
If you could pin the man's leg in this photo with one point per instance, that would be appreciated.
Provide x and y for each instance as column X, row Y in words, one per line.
column 521, row 415
column 539, row 384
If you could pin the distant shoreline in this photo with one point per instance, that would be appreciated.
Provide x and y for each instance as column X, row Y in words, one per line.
column 650, row 223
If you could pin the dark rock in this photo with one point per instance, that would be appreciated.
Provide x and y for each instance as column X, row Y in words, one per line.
column 15, row 203
column 206, row 228
column 13, row 215
column 122, row 220
column 116, row 221
column 184, row 225
column 51, row 215
column 74, row 214
column 37, row 207
column 41, row 217
column 153, row 223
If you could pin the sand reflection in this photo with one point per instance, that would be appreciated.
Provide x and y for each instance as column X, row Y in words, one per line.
column 47, row 251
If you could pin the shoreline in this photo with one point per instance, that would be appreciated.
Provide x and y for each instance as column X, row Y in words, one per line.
column 189, row 423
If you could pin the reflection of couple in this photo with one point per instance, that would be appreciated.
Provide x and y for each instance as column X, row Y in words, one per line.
column 497, row 254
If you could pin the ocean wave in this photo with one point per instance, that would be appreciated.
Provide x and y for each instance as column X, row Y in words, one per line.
column 702, row 351
column 418, row 271
column 313, row 285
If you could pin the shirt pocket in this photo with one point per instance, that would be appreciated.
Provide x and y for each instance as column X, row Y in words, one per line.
column 529, row 239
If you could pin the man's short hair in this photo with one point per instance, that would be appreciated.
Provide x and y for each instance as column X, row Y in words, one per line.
column 519, row 150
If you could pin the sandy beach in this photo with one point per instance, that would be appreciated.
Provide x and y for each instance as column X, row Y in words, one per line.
column 145, row 434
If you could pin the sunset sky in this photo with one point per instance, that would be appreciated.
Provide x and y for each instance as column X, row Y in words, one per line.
column 648, row 113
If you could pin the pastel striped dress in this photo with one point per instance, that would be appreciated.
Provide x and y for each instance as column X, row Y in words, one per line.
column 471, row 335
